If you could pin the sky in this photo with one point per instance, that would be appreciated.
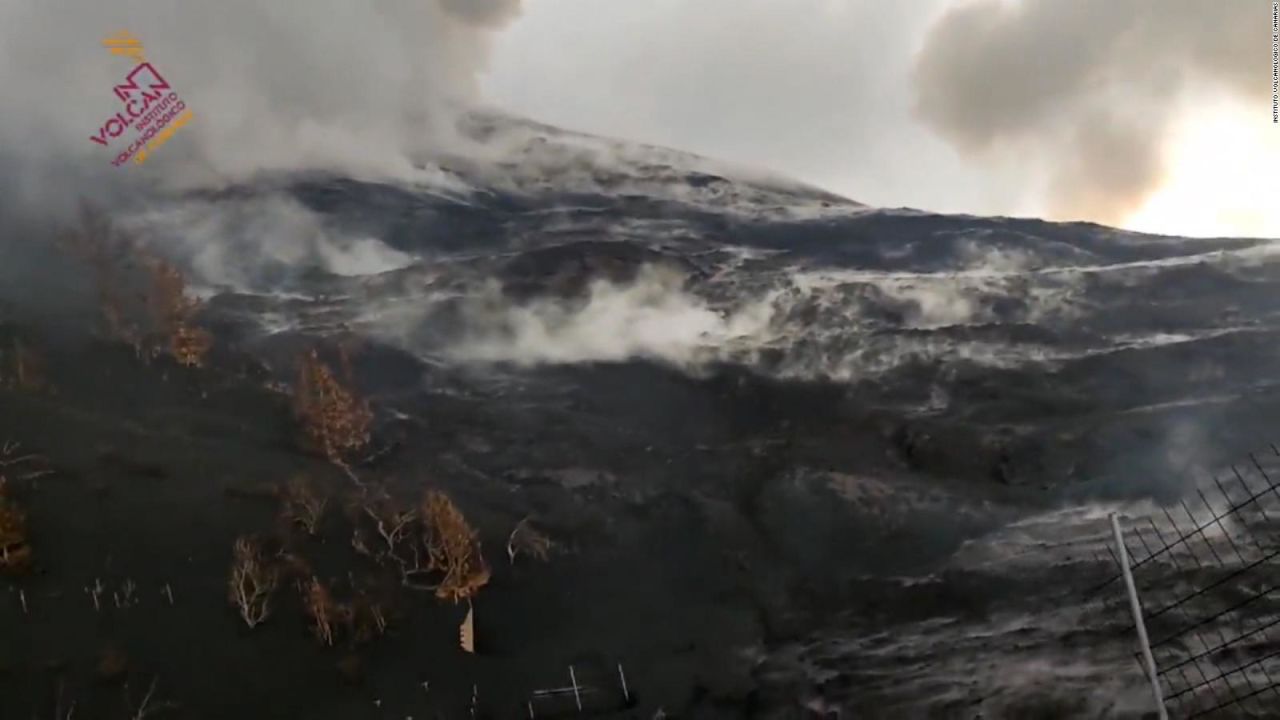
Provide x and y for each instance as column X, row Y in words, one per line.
column 1148, row 114
column 1152, row 115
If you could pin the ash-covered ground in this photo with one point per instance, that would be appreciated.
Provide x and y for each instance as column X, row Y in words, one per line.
column 797, row 456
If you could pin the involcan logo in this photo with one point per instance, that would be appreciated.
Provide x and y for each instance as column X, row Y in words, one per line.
column 151, row 108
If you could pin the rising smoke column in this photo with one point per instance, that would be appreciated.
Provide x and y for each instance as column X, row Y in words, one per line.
column 353, row 87
column 285, row 84
column 1085, row 88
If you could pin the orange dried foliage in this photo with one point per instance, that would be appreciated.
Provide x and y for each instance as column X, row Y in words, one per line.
column 189, row 345
column 453, row 548
column 367, row 619
column 172, row 311
column 389, row 535
column 109, row 254
column 361, row 619
column 303, row 505
column 253, row 582
column 142, row 297
column 15, row 552
column 335, row 419
column 22, row 368
column 325, row 614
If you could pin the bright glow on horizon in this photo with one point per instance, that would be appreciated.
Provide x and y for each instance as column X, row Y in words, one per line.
column 1223, row 177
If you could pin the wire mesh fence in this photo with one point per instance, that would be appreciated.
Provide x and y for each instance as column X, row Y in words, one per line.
column 1206, row 571
column 604, row 693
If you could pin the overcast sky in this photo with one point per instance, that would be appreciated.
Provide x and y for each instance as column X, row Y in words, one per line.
column 1150, row 114
column 1092, row 109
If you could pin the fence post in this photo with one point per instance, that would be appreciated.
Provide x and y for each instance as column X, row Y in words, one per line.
column 1136, row 607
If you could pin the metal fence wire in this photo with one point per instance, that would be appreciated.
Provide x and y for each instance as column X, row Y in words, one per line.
column 1206, row 571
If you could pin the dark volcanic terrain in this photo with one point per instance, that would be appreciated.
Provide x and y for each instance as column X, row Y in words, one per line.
column 796, row 455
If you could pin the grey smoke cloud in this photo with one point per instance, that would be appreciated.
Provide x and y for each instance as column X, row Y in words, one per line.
column 1085, row 88
column 483, row 12
column 281, row 84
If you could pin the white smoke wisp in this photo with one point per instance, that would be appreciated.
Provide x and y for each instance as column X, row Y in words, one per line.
column 806, row 325
column 290, row 84
column 652, row 317
column 251, row 246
